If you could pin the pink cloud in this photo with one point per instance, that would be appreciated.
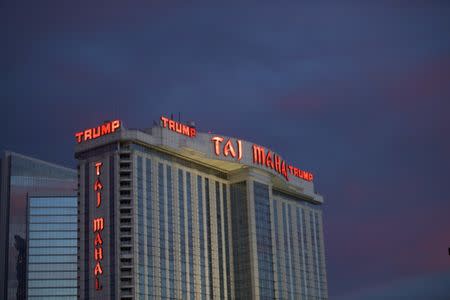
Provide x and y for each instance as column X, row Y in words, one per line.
column 413, row 89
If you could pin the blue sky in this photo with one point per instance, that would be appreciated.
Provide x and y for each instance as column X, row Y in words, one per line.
column 357, row 92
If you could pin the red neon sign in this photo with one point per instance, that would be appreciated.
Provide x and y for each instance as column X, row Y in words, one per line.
column 97, row 226
column 274, row 162
column 178, row 127
column 96, row 132
column 228, row 148
column 261, row 157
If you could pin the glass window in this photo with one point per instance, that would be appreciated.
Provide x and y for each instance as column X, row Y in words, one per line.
column 51, row 259
column 41, row 267
column 61, row 211
column 52, row 251
column 52, row 248
column 264, row 240
column 53, row 219
column 52, row 291
column 52, row 275
column 53, row 235
column 53, row 243
column 53, row 226
column 50, row 283
column 53, row 202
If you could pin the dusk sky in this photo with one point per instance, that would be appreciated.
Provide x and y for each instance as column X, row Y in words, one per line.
column 356, row 92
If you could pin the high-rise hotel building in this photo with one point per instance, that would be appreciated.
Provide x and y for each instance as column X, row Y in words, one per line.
column 171, row 213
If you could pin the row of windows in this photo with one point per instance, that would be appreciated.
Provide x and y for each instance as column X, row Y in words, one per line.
column 170, row 227
column 227, row 244
column 52, row 275
column 53, row 227
column 52, row 251
column 182, row 241
column 219, row 235
column 70, row 291
column 53, row 235
column 53, row 202
column 278, row 247
column 54, row 211
column 201, row 234
column 53, row 219
column 52, row 259
column 161, row 220
column 52, row 283
column 140, row 205
column 149, row 204
column 190, row 229
column 43, row 267
column 53, row 243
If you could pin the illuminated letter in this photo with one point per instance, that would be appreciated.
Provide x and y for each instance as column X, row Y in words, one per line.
column 172, row 125
column 98, row 253
column 106, row 128
column 229, row 149
column 269, row 161
column 115, row 125
column 239, row 143
column 310, row 177
column 99, row 199
column 296, row 172
column 98, row 239
column 98, row 185
column 98, row 269
column 96, row 132
column 217, row 140
column 305, row 175
column 97, row 284
column 259, row 155
column 98, row 224
column 277, row 163
column 291, row 169
column 87, row 134
column 186, row 130
column 97, row 167
column 284, row 170
column 164, row 121
column 301, row 174
column 79, row 136
column 179, row 128
column 193, row 132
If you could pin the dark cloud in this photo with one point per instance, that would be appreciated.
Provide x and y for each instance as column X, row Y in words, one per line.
column 355, row 92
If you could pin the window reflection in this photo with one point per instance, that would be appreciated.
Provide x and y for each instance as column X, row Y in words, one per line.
column 21, row 268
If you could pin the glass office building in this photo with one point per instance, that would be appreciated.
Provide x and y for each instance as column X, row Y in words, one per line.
column 22, row 176
column 195, row 217
column 52, row 248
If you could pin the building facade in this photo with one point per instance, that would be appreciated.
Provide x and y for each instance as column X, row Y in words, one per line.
column 52, row 247
column 22, row 177
column 170, row 213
